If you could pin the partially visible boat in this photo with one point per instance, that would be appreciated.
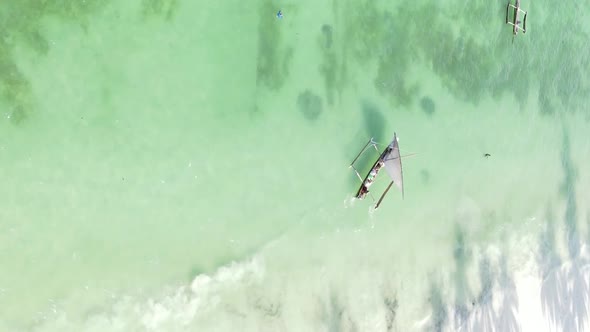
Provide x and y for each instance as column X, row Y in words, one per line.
column 515, row 22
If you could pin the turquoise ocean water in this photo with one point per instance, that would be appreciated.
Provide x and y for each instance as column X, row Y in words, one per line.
column 173, row 165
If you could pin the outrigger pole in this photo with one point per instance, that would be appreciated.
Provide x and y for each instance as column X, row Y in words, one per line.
column 363, row 150
column 383, row 195
column 370, row 142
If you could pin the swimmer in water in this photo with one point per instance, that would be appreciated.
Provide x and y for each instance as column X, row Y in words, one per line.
column 487, row 155
column 280, row 14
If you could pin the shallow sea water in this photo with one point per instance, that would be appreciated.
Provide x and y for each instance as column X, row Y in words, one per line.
column 172, row 165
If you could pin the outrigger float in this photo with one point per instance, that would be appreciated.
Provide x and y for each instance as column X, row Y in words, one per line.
column 389, row 159
column 515, row 22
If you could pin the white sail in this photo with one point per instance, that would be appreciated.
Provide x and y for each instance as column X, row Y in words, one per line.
column 393, row 164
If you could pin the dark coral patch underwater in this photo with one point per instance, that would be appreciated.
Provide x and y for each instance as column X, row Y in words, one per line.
column 310, row 105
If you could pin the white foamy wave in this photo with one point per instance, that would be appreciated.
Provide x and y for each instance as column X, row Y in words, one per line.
column 167, row 312
column 303, row 283
column 202, row 296
column 349, row 201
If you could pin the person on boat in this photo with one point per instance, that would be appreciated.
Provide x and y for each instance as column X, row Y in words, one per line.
column 363, row 192
column 379, row 165
column 373, row 173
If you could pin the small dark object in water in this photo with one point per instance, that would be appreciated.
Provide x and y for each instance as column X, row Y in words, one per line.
column 309, row 104
column 425, row 175
column 280, row 14
column 327, row 32
column 487, row 155
column 427, row 105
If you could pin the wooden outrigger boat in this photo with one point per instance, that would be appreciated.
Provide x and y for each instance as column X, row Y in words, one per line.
column 515, row 22
column 389, row 159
